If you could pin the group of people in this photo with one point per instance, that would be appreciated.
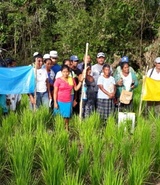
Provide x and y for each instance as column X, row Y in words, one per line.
column 60, row 87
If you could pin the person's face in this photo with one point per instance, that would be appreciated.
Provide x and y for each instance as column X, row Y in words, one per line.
column 125, row 68
column 68, row 63
column 38, row 62
column 74, row 64
column 88, row 71
column 88, row 59
column 54, row 60
column 14, row 63
column 48, row 64
column 157, row 65
column 106, row 71
column 65, row 73
column 101, row 60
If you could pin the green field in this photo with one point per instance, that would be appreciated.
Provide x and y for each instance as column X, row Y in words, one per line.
column 35, row 149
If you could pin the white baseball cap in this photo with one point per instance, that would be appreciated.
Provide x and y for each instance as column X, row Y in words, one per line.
column 100, row 54
column 53, row 54
column 157, row 60
column 35, row 53
column 46, row 56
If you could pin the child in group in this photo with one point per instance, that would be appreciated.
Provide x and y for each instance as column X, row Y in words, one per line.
column 106, row 93
column 89, row 101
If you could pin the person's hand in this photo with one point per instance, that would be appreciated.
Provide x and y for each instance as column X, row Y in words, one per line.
column 132, row 85
column 81, row 78
column 74, row 103
column 55, row 105
column 33, row 100
column 120, row 82
column 50, row 97
column 111, row 95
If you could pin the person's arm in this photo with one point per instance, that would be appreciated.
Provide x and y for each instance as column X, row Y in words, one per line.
column 55, row 95
column 32, row 99
column 48, row 89
column 80, row 81
column 77, row 87
column 135, row 80
column 110, row 95
column 114, row 92
column 117, row 77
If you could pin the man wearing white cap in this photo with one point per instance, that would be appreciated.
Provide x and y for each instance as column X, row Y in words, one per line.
column 96, row 69
column 54, row 57
column 154, row 73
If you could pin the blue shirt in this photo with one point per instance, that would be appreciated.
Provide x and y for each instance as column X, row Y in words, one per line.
column 56, row 68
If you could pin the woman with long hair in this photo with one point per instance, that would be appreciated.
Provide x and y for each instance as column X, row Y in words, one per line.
column 62, row 94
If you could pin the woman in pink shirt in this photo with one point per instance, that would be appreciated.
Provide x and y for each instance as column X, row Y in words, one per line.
column 62, row 94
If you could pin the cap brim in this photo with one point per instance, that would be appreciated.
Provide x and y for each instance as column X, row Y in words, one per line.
column 54, row 56
column 100, row 56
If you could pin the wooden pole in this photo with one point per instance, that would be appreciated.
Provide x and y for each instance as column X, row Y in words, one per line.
column 85, row 67
column 35, row 90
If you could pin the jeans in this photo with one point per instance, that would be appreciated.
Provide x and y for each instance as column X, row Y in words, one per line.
column 42, row 99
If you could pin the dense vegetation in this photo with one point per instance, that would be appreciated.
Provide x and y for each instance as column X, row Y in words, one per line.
column 114, row 27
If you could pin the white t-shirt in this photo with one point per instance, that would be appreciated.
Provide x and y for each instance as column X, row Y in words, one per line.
column 52, row 74
column 127, row 81
column 42, row 76
column 108, row 85
column 96, row 71
column 154, row 75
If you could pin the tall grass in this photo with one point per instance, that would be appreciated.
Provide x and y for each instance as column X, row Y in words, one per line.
column 72, row 179
column 72, row 156
column 156, row 138
column 36, row 149
column 21, row 152
column 52, row 161
column 143, row 155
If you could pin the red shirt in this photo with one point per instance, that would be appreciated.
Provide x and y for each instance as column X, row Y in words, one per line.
column 64, row 89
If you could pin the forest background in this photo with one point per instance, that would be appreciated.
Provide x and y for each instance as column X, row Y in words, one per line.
column 117, row 27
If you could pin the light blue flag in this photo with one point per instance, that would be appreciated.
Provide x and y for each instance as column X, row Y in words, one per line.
column 17, row 80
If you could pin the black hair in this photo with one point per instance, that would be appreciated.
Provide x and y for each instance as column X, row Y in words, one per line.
column 37, row 56
column 65, row 67
column 47, row 59
column 106, row 65
column 88, row 65
column 122, row 64
column 65, row 60
column 9, row 61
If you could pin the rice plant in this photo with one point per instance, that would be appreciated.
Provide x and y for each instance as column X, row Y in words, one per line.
column 84, row 163
column 157, row 146
column 21, row 153
column 142, row 157
column 72, row 179
column 52, row 161
column 36, row 149
column 72, row 156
